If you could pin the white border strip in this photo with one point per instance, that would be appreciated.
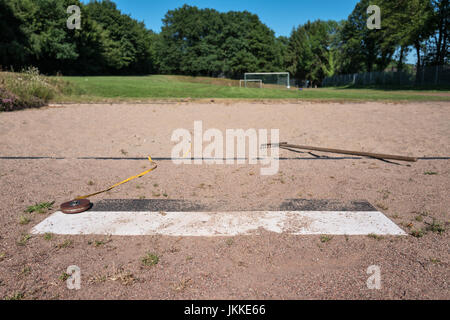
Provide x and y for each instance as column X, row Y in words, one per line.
column 210, row 224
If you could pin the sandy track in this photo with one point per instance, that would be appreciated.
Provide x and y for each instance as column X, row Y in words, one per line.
column 267, row 266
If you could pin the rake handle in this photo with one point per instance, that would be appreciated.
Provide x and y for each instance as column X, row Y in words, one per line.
column 354, row 153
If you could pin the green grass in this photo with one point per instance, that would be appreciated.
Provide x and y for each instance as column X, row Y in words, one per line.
column 417, row 233
column 64, row 276
column 100, row 89
column 23, row 220
column 24, row 240
column 150, row 259
column 48, row 236
column 15, row 296
column 375, row 236
column 325, row 239
column 40, row 207
column 65, row 244
column 436, row 226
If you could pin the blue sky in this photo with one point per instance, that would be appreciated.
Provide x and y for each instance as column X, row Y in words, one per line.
column 280, row 16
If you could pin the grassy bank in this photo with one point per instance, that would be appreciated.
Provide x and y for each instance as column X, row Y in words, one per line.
column 29, row 89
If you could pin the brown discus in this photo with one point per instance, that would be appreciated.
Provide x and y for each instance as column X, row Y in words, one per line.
column 76, row 206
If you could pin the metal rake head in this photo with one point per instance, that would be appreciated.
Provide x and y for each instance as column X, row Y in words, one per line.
column 273, row 145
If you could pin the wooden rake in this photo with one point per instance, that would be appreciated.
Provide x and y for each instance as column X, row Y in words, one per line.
column 287, row 146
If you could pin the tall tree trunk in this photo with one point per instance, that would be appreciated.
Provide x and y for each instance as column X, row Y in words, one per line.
column 400, row 59
column 419, row 63
column 441, row 45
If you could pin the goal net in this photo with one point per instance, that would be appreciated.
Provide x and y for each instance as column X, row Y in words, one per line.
column 269, row 78
column 251, row 83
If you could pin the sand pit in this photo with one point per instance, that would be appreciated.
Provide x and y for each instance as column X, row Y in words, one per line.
column 58, row 153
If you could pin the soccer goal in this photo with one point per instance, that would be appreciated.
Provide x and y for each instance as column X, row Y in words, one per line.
column 248, row 83
column 274, row 78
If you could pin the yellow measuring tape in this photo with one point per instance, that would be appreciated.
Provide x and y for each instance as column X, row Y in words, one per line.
column 131, row 178
column 124, row 181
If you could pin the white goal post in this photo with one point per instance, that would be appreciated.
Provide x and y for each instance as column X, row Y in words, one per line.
column 250, row 80
column 272, row 77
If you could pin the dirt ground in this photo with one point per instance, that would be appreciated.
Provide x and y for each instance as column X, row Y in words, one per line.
column 266, row 266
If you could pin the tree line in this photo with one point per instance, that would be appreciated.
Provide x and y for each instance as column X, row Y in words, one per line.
column 205, row 42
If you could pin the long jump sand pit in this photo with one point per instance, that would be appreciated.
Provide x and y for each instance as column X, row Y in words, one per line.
column 58, row 153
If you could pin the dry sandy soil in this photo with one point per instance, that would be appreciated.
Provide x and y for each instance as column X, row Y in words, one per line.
column 266, row 266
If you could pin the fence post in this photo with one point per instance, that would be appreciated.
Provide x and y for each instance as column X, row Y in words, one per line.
column 436, row 77
column 423, row 75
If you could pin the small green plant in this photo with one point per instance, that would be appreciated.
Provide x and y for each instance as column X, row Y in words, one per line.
column 229, row 242
column 419, row 218
column 90, row 183
column 40, row 207
column 150, row 259
column 67, row 243
column 417, row 233
column 436, row 227
column 48, row 236
column 430, row 173
column 98, row 243
column 64, row 276
column 156, row 185
column 15, row 296
column 23, row 220
column 165, row 195
column 325, row 239
column 2, row 256
column 156, row 194
column 25, row 271
column 24, row 240
column 375, row 236
column 434, row 260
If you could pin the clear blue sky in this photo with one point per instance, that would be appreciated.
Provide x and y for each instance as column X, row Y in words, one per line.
column 280, row 16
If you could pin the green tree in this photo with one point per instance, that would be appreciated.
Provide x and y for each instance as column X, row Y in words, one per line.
column 13, row 40
column 126, row 43
column 310, row 56
column 197, row 41
column 364, row 48
column 438, row 52
column 49, row 44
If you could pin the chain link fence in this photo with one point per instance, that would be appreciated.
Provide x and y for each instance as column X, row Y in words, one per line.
column 428, row 76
